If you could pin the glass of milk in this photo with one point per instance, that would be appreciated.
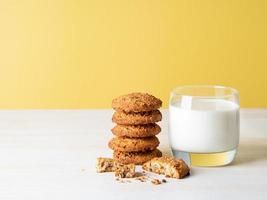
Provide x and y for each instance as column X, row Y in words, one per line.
column 204, row 124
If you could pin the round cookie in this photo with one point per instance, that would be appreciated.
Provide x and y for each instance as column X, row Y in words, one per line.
column 136, row 131
column 136, row 102
column 137, row 158
column 137, row 118
column 133, row 144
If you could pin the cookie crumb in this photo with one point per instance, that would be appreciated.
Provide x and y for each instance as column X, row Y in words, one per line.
column 156, row 181
column 164, row 181
column 141, row 178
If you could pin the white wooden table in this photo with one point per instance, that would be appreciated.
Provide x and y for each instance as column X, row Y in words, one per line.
column 51, row 155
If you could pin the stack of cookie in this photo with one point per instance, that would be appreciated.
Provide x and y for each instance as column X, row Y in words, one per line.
column 136, row 116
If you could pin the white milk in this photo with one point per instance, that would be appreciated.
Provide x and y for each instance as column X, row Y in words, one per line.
column 204, row 126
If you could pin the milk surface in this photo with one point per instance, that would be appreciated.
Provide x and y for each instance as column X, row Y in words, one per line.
column 204, row 125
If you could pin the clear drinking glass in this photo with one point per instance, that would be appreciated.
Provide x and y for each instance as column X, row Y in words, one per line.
column 204, row 124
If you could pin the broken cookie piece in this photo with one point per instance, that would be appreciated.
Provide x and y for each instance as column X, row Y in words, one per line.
column 168, row 166
column 109, row 165
column 105, row 165
column 125, row 171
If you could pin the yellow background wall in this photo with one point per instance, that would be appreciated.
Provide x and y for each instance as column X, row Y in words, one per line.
column 82, row 53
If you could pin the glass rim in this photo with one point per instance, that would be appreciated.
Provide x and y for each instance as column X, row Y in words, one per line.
column 232, row 90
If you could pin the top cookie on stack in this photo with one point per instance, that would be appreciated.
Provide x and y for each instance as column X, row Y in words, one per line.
column 136, row 116
column 136, row 102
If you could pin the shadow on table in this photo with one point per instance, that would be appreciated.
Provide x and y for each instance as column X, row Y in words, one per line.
column 249, row 152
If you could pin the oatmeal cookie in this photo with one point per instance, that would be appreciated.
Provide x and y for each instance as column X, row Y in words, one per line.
column 133, row 144
column 136, row 102
column 137, row 158
column 137, row 118
column 136, row 131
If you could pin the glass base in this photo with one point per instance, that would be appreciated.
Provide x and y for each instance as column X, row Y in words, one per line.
column 206, row 159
